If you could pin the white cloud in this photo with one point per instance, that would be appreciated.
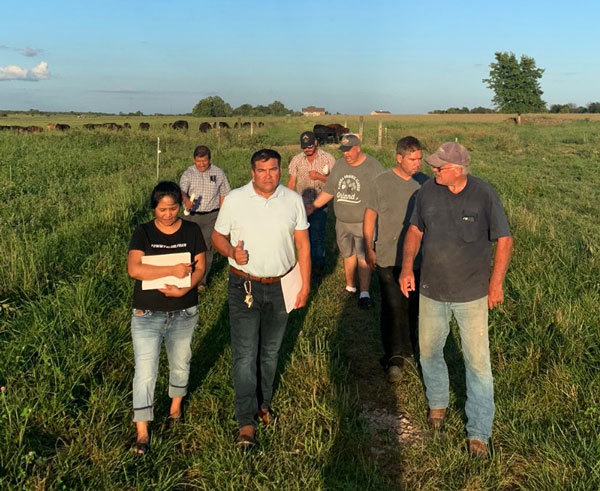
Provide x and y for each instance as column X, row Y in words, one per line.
column 13, row 72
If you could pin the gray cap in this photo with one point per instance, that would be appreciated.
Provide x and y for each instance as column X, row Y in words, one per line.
column 348, row 141
column 449, row 153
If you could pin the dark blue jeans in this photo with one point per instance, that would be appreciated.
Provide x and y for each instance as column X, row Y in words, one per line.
column 256, row 336
column 316, row 233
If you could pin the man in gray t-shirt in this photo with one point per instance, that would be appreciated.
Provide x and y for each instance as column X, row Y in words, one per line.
column 456, row 218
column 389, row 209
column 350, row 185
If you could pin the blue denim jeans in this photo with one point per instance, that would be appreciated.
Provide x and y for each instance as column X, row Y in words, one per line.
column 316, row 233
column 256, row 336
column 147, row 332
column 434, row 326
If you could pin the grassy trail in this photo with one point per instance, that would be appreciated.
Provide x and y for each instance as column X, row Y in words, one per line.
column 71, row 202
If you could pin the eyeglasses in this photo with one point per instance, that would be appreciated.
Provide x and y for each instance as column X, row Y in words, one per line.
column 441, row 169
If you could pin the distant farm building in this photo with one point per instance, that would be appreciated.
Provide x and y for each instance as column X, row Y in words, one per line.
column 379, row 113
column 313, row 111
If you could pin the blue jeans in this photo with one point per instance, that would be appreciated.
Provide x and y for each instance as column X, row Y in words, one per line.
column 316, row 233
column 256, row 336
column 147, row 332
column 434, row 326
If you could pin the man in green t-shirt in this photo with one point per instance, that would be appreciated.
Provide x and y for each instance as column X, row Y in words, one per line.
column 389, row 211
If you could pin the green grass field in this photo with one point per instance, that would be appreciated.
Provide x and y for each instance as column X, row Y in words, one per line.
column 70, row 202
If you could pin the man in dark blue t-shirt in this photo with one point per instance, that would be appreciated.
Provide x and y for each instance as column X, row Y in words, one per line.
column 455, row 220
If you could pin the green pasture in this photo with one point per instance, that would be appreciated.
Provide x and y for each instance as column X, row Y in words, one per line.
column 70, row 202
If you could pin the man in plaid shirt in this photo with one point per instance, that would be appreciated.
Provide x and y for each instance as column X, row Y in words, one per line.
column 308, row 172
column 204, row 187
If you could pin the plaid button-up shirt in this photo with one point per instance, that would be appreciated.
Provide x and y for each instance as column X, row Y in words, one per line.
column 300, row 167
column 207, row 186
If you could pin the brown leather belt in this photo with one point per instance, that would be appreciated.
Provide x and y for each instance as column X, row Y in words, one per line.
column 267, row 281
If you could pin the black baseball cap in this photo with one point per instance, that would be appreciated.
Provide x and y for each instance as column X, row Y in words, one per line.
column 307, row 139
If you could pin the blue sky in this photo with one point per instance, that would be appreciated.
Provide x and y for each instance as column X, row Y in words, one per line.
column 351, row 57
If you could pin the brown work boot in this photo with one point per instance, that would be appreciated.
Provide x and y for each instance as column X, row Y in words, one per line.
column 246, row 437
column 265, row 416
column 478, row 449
column 436, row 418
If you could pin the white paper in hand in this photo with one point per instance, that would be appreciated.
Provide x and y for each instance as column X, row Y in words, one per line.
column 291, row 284
column 167, row 260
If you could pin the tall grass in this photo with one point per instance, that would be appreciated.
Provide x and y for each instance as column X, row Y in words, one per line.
column 71, row 202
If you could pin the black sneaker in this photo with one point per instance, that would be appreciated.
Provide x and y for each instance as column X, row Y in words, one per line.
column 364, row 303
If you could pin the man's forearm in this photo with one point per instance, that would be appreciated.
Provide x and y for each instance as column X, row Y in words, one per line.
column 221, row 244
column 322, row 199
column 502, row 257
column 412, row 244
column 369, row 219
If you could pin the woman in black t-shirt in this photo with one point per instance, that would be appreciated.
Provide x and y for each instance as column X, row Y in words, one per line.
column 166, row 311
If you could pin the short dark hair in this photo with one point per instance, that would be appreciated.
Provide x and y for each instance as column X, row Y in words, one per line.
column 202, row 151
column 264, row 154
column 408, row 144
column 165, row 188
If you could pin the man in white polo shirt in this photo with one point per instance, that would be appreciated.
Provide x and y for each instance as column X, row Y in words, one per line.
column 260, row 228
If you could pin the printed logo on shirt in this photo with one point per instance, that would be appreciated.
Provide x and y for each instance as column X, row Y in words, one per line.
column 165, row 246
column 213, row 178
column 348, row 189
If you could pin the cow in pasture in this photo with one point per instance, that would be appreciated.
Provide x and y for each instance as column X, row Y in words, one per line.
column 144, row 126
column 126, row 125
column 112, row 126
column 204, row 127
column 339, row 130
column 51, row 126
column 260, row 124
column 33, row 129
column 246, row 124
column 236, row 125
column 180, row 124
column 90, row 126
column 223, row 124
column 4, row 127
column 325, row 134
column 62, row 127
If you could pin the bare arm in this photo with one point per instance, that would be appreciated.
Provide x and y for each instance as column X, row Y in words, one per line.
column 501, row 260
column 221, row 244
column 412, row 244
column 321, row 200
column 140, row 271
column 291, row 184
column 369, row 220
column 302, row 243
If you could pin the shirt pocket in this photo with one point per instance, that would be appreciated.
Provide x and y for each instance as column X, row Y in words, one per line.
column 472, row 226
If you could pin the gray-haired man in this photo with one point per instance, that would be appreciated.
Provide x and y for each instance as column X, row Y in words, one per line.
column 456, row 218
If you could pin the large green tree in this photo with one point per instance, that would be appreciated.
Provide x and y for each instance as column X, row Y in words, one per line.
column 516, row 84
column 212, row 106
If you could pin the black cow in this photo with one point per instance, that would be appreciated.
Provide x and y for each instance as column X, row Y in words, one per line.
column 180, row 124
column 144, row 126
column 246, row 124
column 339, row 131
column 221, row 124
column 204, row 127
column 62, row 127
column 324, row 134
column 90, row 126
column 126, row 125
column 260, row 124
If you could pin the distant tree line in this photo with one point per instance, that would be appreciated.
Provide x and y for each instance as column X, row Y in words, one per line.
column 571, row 107
column 463, row 110
column 214, row 106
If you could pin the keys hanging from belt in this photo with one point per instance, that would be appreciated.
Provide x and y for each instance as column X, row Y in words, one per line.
column 248, row 288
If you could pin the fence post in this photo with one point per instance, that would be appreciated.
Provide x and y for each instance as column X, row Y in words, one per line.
column 218, row 136
column 157, row 158
column 385, row 138
column 345, row 123
column 379, row 134
column 251, row 128
column 361, row 126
